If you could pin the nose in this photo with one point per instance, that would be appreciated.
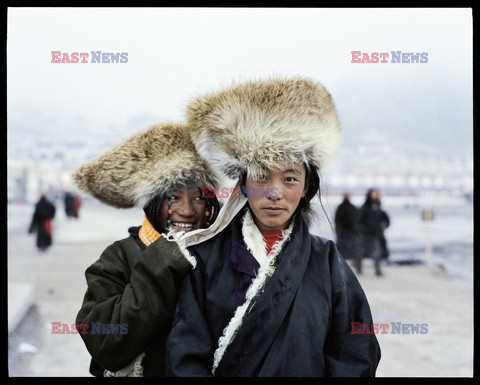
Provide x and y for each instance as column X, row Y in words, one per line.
column 186, row 209
column 275, row 193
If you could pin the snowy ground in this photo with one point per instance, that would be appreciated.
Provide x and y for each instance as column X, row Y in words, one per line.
column 441, row 296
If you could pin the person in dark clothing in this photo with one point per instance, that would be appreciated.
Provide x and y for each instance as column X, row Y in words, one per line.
column 77, row 203
column 268, row 298
column 132, row 287
column 69, row 203
column 346, row 229
column 42, row 222
column 372, row 222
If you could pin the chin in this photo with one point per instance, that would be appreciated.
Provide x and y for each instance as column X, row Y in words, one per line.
column 277, row 224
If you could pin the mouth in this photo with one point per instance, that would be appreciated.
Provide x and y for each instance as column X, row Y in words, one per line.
column 185, row 226
column 270, row 210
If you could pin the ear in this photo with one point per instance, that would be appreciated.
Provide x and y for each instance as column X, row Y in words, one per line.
column 305, row 189
column 307, row 178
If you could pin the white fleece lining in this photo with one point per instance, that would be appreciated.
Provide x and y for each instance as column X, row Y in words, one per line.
column 133, row 369
column 252, row 241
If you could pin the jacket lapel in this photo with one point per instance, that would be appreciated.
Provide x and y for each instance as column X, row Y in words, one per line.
column 266, row 310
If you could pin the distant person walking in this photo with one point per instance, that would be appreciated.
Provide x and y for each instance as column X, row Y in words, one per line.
column 372, row 221
column 69, row 202
column 346, row 229
column 77, row 203
column 42, row 222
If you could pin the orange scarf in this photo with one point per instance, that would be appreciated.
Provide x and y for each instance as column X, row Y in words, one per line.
column 147, row 232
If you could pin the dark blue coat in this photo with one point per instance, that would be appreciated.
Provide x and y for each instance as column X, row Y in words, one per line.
column 299, row 325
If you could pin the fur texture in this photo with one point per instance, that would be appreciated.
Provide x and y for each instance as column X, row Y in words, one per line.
column 154, row 161
column 134, row 369
column 259, row 125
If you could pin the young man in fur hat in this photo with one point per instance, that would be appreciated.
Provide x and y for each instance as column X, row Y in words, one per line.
column 268, row 298
column 132, row 288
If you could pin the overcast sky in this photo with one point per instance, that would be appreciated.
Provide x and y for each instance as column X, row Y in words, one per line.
column 175, row 53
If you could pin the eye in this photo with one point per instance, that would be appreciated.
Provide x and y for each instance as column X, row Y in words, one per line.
column 261, row 178
column 291, row 179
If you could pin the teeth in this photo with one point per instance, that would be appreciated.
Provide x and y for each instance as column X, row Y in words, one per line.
column 184, row 225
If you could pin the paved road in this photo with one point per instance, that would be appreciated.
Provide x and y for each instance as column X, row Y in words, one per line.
column 57, row 279
column 58, row 282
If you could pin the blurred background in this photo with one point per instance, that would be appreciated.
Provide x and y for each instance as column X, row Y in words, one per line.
column 407, row 129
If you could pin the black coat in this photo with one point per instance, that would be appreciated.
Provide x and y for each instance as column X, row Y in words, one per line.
column 346, row 229
column 135, row 285
column 372, row 219
column 41, row 222
column 345, row 216
column 299, row 324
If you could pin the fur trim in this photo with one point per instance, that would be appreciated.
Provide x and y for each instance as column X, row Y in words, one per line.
column 260, row 125
column 134, row 369
column 252, row 243
column 253, row 239
column 152, row 162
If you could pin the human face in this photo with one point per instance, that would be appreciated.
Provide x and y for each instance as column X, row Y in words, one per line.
column 188, row 211
column 274, row 211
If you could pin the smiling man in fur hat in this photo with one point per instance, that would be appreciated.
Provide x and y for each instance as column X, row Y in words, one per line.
column 132, row 287
column 267, row 297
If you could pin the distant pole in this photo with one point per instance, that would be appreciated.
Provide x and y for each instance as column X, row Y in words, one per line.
column 427, row 217
column 428, row 243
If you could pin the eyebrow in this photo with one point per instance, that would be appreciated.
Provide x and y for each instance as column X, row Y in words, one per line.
column 295, row 171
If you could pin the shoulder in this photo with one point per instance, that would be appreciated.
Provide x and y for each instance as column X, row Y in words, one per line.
column 322, row 250
column 120, row 255
column 212, row 247
column 220, row 243
column 322, row 244
column 127, row 244
column 340, row 272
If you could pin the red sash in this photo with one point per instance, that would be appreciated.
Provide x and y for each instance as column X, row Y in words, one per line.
column 47, row 225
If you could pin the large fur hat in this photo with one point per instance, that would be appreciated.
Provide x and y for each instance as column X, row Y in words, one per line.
column 152, row 162
column 258, row 125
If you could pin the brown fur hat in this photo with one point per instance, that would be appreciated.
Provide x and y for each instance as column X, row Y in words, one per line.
column 152, row 162
column 258, row 125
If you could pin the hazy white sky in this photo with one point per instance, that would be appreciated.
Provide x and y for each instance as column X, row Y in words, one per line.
column 174, row 53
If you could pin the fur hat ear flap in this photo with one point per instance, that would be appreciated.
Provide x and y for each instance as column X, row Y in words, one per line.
column 150, row 163
column 260, row 125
